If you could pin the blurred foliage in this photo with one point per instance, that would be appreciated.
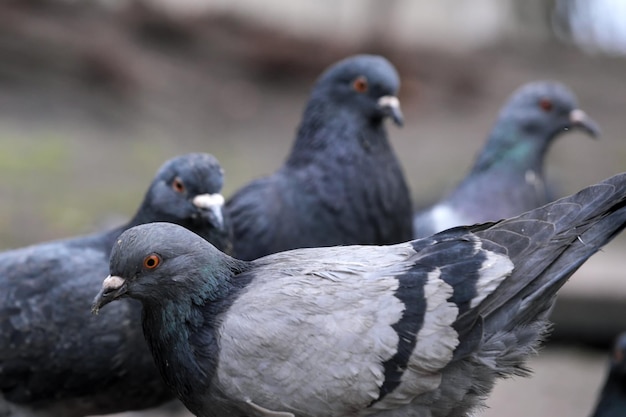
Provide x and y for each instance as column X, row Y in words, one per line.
column 21, row 157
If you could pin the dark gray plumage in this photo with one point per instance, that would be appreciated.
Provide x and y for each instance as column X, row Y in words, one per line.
column 507, row 178
column 612, row 400
column 421, row 328
column 342, row 183
column 55, row 358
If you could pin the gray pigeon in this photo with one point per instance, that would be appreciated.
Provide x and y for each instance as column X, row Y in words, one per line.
column 507, row 178
column 342, row 183
column 55, row 359
column 612, row 400
column 418, row 329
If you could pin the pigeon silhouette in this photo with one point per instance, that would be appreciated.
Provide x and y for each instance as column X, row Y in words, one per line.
column 421, row 328
column 342, row 183
column 507, row 178
column 55, row 359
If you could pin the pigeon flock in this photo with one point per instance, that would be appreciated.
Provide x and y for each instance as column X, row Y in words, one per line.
column 316, row 291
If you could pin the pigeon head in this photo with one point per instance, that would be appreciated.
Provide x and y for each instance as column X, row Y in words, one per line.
column 160, row 262
column 186, row 191
column 363, row 84
column 544, row 109
column 535, row 114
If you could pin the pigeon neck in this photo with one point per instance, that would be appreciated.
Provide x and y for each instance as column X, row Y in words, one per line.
column 168, row 334
column 111, row 236
column 512, row 150
column 145, row 214
column 177, row 329
column 330, row 133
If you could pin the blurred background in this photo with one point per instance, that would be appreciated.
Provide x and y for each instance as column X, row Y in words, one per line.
column 94, row 96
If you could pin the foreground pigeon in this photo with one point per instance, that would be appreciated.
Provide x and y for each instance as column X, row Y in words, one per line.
column 342, row 183
column 415, row 329
column 612, row 401
column 507, row 178
column 55, row 359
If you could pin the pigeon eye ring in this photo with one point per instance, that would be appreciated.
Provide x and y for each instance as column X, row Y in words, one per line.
column 546, row 104
column 178, row 185
column 151, row 261
column 360, row 84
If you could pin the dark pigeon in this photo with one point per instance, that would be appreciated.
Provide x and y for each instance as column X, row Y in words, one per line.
column 612, row 401
column 342, row 183
column 418, row 329
column 56, row 359
column 507, row 178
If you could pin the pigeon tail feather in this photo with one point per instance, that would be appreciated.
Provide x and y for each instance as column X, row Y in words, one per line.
column 516, row 316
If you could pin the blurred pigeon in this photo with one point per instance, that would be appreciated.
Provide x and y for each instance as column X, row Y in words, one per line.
column 55, row 359
column 612, row 401
column 342, row 183
column 421, row 328
column 507, row 178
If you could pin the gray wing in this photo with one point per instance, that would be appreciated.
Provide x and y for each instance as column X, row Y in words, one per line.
column 326, row 330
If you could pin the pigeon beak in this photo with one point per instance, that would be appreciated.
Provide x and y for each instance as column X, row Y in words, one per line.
column 113, row 288
column 579, row 119
column 214, row 203
column 390, row 105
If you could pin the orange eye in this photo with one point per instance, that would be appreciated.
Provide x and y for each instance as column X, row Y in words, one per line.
column 360, row 84
column 545, row 104
column 178, row 185
column 152, row 261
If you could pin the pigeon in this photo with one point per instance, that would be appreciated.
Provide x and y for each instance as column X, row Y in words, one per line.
column 55, row 359
column 342, row 182
column 421, row 328
column 507, row 177
column 612, row 400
